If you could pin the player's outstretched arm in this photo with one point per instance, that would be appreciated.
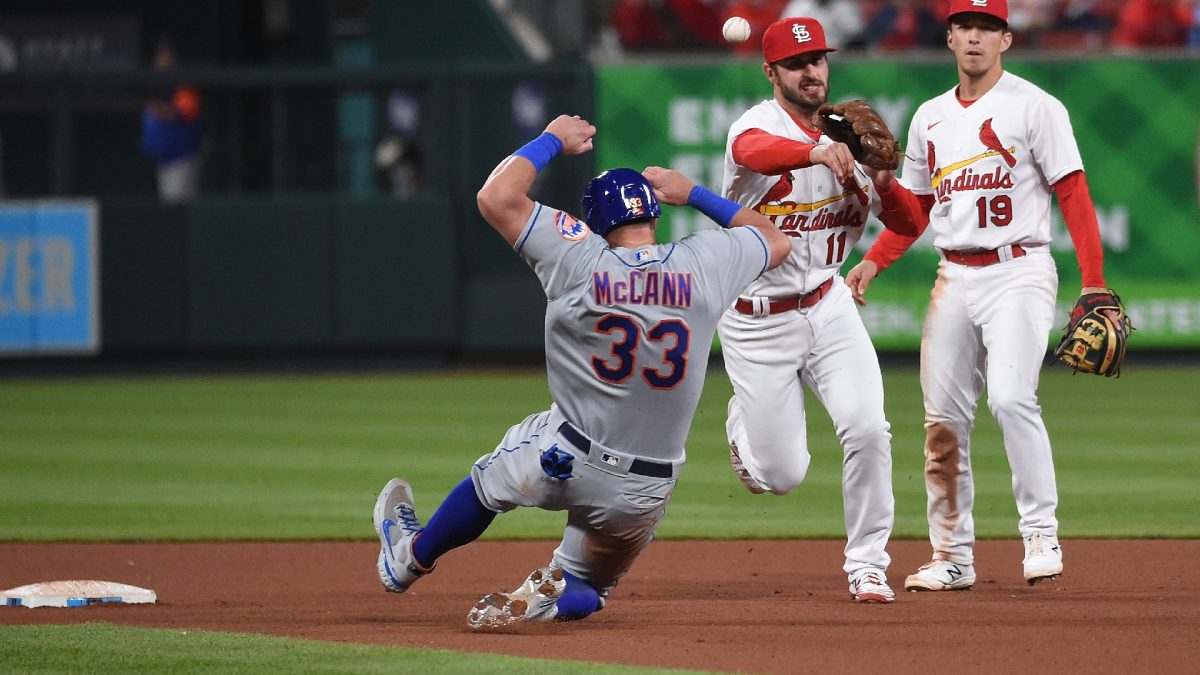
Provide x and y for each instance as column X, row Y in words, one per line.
column 771, row 155
column 504, row 198
column 676, row 189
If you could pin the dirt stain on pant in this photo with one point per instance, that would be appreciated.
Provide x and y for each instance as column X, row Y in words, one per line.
column 941, row 479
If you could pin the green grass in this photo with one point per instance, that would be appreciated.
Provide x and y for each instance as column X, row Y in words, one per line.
column 97, row 647
column 301, row 457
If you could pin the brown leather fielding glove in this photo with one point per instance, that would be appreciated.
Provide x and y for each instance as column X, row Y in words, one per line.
column 1092, row 341
column 856, row 124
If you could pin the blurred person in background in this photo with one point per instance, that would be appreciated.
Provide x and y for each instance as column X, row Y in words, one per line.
column 640, row 25
column 1153, row 23
column 1082, row 24
column 172, row 134
column 700, row 20
column 842, row 19
column 398, row 155
column 760, row 14
column 906, row 24
column 1029, row 19
column 1194, row 33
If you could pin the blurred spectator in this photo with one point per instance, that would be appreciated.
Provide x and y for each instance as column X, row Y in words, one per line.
column 640, row 25
column 760, row 14
column 401, row 163
column 1152, row 23
column 1194, row 34
column 1029, row 19
column 701, row 21
column 1081, row 24
column 842, row 19
column 171, row 134
column 906, row 24
column 398, row 155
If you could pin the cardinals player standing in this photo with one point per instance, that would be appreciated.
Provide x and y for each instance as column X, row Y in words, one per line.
column 983, row 160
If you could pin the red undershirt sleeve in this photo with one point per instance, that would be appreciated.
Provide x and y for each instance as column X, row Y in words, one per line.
column 890, row 245
column 769, row 154
column 902, row 212
column 1075, row 201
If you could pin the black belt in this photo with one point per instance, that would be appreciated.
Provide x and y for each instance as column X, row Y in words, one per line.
column 642, row 467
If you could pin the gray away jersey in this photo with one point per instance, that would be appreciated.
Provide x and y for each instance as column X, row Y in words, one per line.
column 629, row 331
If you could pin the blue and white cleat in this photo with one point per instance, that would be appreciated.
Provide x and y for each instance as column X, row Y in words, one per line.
column 397, row 526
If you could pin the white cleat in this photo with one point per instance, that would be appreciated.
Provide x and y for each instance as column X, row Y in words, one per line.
column 870, row 586
column 941, row 575
column 1043, row 558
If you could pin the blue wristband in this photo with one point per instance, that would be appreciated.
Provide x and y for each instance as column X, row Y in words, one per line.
column 718, row 208
column 541, row 150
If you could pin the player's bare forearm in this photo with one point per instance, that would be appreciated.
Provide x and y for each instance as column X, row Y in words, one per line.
column 674, row 188
column 504, row 198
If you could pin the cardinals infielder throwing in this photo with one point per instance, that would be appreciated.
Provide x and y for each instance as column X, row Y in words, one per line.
column 797, row 325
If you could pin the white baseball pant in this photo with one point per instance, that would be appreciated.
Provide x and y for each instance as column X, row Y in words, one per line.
column 826, row 348
column 987, row 324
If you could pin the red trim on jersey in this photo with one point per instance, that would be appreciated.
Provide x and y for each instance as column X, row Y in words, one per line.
column 962, row 101
column 903, row 212
column 1075, row 201
column 889, row 246
column 768, row 154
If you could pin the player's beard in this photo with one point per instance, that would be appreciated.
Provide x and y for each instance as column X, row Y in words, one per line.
column 804, row 101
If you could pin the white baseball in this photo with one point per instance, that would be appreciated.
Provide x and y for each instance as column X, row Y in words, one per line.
column 736, row 29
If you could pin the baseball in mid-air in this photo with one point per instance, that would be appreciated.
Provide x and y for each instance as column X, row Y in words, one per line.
column 736, row 29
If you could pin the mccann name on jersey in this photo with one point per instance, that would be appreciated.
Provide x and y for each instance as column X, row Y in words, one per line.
column 643, row 287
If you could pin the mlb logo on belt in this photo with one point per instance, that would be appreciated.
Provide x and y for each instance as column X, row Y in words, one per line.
column 611, row 460
column 801, row 31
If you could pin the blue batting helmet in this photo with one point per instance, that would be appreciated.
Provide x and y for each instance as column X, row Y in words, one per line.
column 617, row 197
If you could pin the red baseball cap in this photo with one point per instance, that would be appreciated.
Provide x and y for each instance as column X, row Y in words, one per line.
column 996, row 8
column 791, row 36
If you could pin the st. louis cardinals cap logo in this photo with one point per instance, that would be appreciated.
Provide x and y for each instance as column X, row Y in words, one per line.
column 570, row 228
column 801, row 32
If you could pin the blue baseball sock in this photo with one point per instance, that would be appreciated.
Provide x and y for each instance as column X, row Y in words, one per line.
column 578, row 601
column 458, row 521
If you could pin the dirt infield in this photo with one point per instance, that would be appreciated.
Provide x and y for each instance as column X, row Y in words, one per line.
column 749, row 606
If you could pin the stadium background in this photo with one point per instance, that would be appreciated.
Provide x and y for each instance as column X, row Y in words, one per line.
column 299, row 255
column 299, row 244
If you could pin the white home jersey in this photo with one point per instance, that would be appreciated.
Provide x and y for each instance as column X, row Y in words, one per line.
column 1005, row 150
column 824, row 219
column 629, row 331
